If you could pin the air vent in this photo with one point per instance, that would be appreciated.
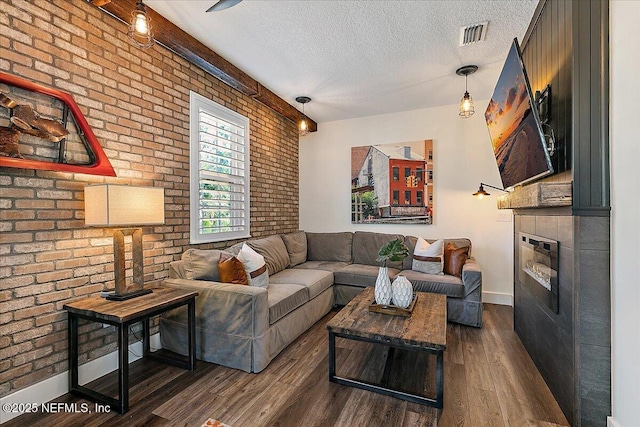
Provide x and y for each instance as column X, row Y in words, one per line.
column 474, row 33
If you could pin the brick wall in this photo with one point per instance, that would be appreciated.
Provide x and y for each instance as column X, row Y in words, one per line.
column 137, row 103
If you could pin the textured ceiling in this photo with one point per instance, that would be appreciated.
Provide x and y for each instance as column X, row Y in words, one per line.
column 358, row 58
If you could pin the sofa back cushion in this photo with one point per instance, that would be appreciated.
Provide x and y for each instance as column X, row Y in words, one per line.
column 410, row 241
column 366, row 246
column 329, row 246
column 296, row 244
column 201, row 264
column 273, row 250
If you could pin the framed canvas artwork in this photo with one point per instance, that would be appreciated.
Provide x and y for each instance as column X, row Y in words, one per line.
column 392, row 183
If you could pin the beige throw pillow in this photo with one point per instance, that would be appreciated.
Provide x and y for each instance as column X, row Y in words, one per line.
column 428, row 257
column 255, row 266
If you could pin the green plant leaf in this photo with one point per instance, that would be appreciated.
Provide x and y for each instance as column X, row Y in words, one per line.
column 395, row 250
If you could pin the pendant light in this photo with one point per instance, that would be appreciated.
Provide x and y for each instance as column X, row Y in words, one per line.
column 466, row 103
column 140, row 26
column 303, row 126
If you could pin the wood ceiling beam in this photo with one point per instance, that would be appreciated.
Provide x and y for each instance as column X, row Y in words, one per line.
column 178, row 41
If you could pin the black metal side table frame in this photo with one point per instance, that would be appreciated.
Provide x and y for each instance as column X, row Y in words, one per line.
column 382, row 389
column 122, row 403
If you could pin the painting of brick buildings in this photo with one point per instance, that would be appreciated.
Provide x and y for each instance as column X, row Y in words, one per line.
column 392, row 183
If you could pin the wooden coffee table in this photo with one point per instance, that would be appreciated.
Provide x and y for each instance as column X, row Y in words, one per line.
column 425, row 330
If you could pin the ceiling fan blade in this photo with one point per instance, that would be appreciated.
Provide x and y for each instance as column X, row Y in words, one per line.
column 222, row 5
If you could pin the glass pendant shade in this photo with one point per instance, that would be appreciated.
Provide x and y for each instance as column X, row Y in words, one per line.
column 140, row 27
column 466, row 106
column 303, row 128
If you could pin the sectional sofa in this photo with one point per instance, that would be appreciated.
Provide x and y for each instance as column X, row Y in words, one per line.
column 245, row 327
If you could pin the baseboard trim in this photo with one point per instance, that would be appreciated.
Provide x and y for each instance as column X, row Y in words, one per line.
column 611, row 422
column 497, row 298
column 56, row 386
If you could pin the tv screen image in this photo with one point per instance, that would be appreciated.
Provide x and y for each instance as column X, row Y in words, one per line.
column 514, row 127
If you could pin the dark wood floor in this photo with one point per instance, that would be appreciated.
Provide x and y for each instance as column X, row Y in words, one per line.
column 489, row 381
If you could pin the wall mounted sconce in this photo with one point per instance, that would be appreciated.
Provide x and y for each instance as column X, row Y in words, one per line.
column 303, row 126
column 140, row 27
column 110, row 205
column 466, row 103
column 481, row 193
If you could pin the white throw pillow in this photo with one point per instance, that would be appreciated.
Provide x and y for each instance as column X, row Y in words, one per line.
column 255, row 266
column 428, row 257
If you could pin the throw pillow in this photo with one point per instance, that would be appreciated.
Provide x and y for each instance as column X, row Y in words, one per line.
column 428, row 258
column 231, row 270
column 255, row 266
column 201, row 264
column 296, row 244
column 454, row 259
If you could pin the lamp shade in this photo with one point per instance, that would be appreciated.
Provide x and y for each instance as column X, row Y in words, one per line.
column 110, row 205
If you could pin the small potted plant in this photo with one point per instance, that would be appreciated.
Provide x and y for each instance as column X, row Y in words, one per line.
column 394, row 250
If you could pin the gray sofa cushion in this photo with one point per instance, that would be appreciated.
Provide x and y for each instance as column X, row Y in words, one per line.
column 273, row 250
column 361, row 275
column 283, row 298
column 315, row 281
column 322, row 265
column 450, row 286
column 410, row 241
column 329, row 246
column 366, row 246
column 201, row 264
column 296, row 244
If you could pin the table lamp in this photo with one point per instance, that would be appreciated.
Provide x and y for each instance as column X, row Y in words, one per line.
column 111, row 205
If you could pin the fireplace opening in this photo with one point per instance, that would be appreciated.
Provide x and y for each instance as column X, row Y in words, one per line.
column 539, row 268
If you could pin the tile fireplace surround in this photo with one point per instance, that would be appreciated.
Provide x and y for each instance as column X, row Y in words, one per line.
column 571, row 348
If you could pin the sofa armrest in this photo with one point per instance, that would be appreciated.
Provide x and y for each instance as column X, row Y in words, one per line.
column 471, row 276
column 223, row 307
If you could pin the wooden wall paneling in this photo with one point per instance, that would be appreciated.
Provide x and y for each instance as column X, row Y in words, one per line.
column 590, row 86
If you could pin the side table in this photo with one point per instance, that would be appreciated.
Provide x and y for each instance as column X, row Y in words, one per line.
column 123, row 314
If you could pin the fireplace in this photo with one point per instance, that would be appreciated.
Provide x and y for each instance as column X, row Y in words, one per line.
column 539, row 268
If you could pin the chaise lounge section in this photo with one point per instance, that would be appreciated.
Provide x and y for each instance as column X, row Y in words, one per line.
column 245, row 327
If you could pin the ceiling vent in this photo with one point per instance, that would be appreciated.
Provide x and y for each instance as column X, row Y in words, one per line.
column 474, row 33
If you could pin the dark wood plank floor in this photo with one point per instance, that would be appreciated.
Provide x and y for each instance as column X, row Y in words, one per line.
column 489, row 381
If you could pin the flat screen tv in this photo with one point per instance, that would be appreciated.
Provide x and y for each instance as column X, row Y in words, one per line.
column 514, row 126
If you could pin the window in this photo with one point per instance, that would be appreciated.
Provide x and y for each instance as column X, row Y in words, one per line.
column 396, row 173
column 219, row 172
column 430, row 174
column 407, row 197
column 396, row 197
column 407, row 172
column 419, row 174
column 419, row 197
